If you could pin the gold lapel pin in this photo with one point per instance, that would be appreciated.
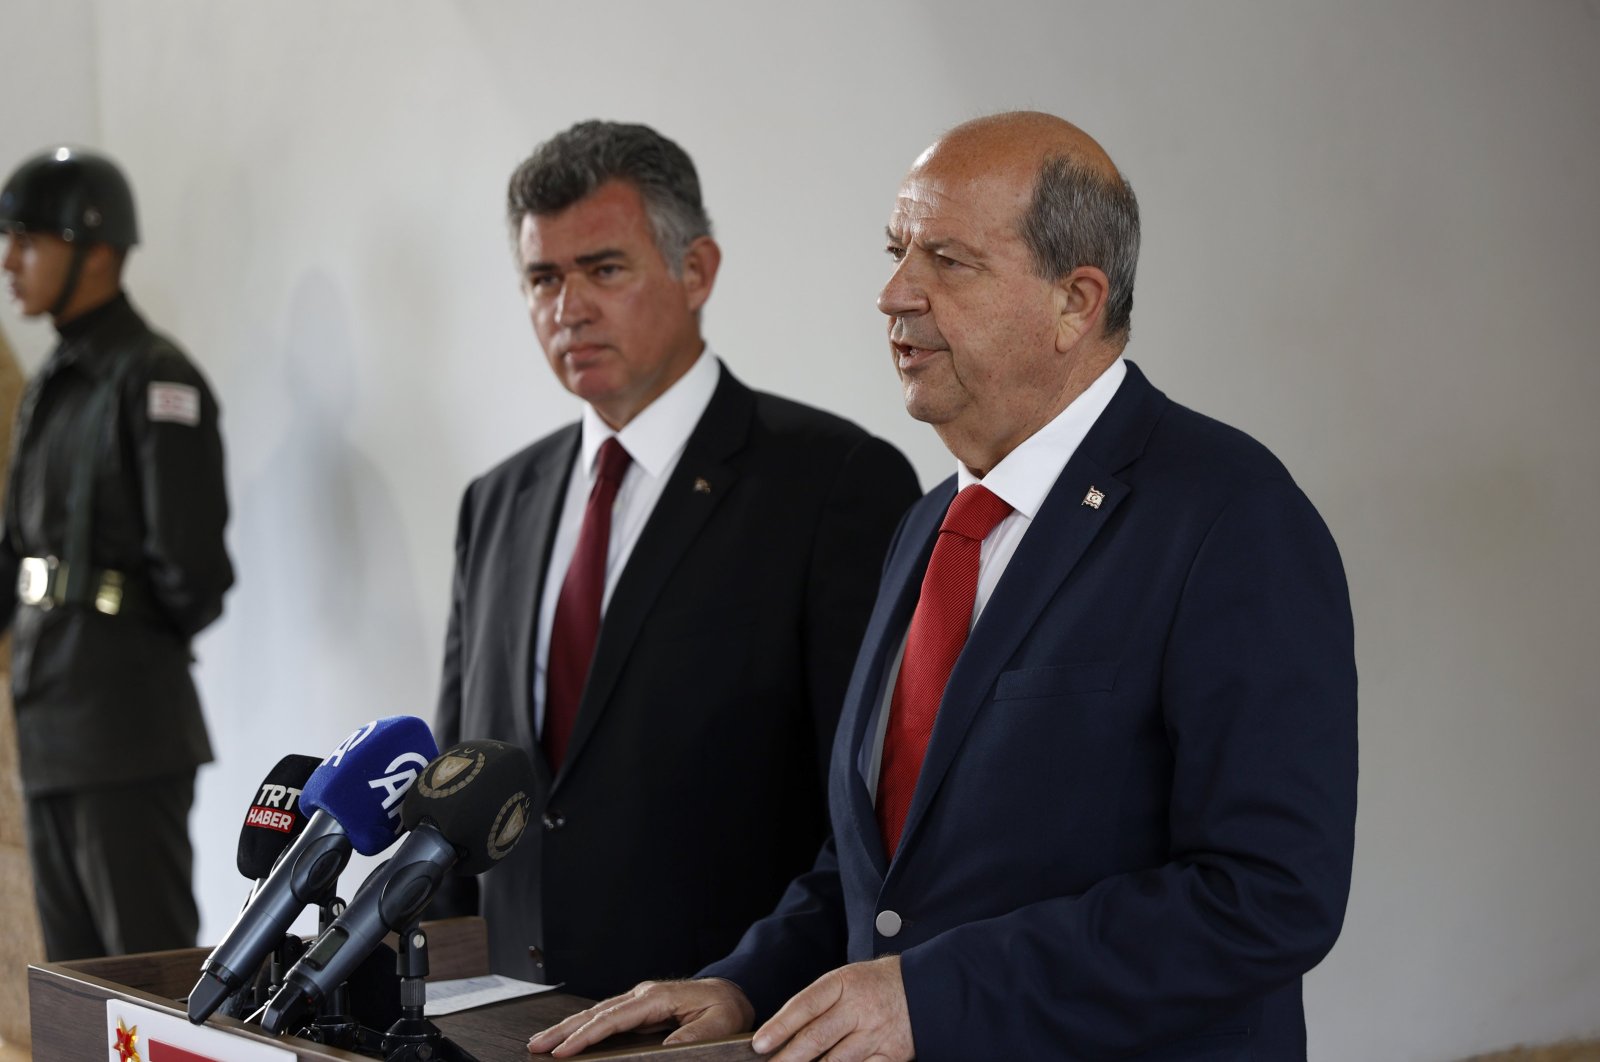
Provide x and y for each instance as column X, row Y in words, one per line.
column 1094, row 497
column 702, row 485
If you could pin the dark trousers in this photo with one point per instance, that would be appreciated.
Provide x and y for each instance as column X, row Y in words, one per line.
column 112, row 868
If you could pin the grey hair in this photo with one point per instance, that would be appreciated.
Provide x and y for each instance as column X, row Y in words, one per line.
column 574, row 164
column 1080, row 216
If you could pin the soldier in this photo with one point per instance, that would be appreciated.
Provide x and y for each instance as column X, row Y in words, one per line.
column 112, row 559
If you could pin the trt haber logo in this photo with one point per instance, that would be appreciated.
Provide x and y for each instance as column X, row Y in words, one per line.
column 270, row 819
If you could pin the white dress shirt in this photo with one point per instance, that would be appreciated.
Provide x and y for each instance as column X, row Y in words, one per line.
column 1022, row 479
column 655, row 440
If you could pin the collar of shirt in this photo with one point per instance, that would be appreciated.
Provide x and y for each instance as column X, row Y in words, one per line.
column 1025, row 475
column 1022, row 479
column 76, row 347
column 87, row 321
column 656, row 437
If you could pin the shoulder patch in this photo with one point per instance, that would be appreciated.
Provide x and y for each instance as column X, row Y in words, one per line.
column 174, row 402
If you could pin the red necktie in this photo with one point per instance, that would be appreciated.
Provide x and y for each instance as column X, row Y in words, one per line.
column 938, row 631
column 576, row 626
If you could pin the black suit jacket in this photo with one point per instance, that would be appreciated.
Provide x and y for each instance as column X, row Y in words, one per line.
column 693, row 786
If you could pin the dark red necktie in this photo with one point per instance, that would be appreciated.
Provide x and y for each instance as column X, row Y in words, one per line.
column 938, row 631
column 576, row 626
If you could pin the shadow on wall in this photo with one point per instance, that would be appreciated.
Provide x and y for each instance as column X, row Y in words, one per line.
column 327, row 623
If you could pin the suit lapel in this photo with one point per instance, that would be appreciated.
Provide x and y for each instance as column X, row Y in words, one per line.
column 1066, row 525
column 891, row 615
column 696, row 487
column 533, row 524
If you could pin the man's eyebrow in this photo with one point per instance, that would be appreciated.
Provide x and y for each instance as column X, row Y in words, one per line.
column 938, row 244
column 962, row 250
column 605, row 254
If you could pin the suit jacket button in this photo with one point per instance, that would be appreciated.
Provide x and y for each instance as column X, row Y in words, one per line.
column 554, row 820
column 888, row 923
column 535, row 954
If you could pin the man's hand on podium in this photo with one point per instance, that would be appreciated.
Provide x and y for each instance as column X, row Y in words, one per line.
column 851, row 1014
column 708, row 1009
column 856, row 1012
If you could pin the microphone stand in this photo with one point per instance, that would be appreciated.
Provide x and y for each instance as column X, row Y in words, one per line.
column 334, row 1025
column 285, row 955
column 414, row 1038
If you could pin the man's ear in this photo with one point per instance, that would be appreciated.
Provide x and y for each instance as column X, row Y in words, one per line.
column 700, row 264
column 1080, row 301
column 102, row 265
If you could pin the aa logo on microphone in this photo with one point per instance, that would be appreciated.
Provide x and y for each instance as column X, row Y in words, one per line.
column 508, row 825
column 397, row 781
column 452, row 772
column 336, row 757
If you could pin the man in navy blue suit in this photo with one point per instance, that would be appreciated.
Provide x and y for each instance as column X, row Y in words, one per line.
column 1093, row 790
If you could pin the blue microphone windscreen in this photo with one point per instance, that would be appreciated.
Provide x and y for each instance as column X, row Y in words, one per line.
column 363, row 780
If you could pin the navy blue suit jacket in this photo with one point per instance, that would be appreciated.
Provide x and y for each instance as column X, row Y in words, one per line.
column 1132, row 832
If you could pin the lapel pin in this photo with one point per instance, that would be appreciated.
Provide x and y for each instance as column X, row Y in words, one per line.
column 701, row 485
column 1094, row 497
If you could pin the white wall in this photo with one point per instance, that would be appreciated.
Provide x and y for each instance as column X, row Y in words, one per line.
column 1371, row 241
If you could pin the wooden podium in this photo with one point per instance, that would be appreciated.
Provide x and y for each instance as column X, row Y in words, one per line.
column 67, row 1006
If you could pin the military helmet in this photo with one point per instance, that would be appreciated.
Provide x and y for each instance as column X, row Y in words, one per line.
column 77, row 195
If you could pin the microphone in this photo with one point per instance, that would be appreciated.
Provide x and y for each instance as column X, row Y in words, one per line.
column 275, row 818
column 466, row 812
column 353, row 800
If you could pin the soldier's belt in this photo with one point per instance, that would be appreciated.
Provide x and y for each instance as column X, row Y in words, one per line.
column 42, row 582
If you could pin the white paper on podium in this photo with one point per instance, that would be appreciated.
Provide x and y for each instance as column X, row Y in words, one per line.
column 448, row 997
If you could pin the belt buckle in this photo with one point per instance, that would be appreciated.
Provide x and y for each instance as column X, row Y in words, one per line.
column 108, row 597
column 37, row 578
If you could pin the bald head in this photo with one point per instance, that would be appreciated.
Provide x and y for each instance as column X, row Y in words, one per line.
column 1018, row 143
column 1074, row 208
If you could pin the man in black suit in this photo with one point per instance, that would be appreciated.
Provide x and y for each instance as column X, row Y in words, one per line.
column 668, row 627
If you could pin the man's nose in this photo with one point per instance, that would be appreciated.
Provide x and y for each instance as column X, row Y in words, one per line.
column 574, row 306
column 903, row 295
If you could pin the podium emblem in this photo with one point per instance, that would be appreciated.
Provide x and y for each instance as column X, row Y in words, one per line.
column 136, row 1033
column 127, row 1045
